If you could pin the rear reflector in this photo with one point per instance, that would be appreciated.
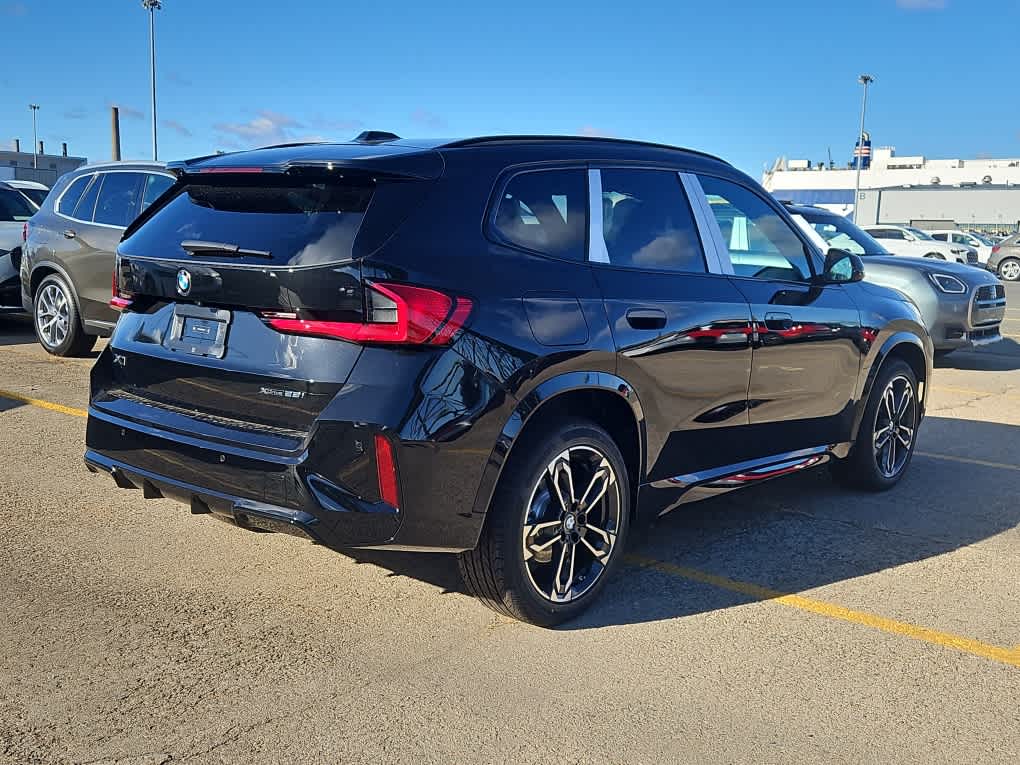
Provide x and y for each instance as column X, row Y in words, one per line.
column 386, row 470
column 398, row 313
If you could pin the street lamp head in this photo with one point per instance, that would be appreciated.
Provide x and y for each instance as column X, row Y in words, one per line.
column 865, row 79
column 152, row 5
column 33, row 107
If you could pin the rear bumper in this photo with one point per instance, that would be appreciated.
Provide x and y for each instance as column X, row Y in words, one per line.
column 254, row 489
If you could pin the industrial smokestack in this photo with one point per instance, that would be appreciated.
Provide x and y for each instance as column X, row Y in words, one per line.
column 115, row 132
column 17, row 144
column 63, row 149
column 41, row 150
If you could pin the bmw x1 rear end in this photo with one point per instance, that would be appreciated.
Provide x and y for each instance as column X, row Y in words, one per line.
column 273, row 364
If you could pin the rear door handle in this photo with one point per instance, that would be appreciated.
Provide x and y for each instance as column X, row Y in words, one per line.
column 69, row 233
column 778, row 321
column 646, row 318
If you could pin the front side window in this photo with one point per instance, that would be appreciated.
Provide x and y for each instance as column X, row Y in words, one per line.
column 647, row 222
column 545, row 211
column 761, row 244
column 14, row 207
column 70, row 198
column 118, row 199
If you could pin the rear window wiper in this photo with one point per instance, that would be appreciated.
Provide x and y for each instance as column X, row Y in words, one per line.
column 196, row 246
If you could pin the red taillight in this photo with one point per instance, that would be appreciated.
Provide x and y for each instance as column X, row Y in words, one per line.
column 996, row 249
column 398, row 313
column 120, row 300
column 386, row 470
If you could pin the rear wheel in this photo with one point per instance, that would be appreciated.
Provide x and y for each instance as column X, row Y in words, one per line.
column 57, row 324
column 935, row 255
column 888, row 432
column 1009, row 270
column 556, row 527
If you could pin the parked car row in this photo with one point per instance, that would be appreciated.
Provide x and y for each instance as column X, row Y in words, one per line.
column 907, row 240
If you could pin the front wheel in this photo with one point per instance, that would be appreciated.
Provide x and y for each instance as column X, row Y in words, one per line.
column 1009, row 270
column 888, row 431
column 556, row 527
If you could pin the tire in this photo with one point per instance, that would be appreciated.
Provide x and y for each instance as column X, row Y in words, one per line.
column 1009, row 270
column 935, row 255
column 863, row 469
column 527, row 585
column 57, row 323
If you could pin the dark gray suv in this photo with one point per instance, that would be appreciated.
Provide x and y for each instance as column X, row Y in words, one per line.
column 68, row 254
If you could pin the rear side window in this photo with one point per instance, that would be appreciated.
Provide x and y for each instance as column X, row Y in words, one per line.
column 118, row 199
column 647, row 222
column 155, row 185
column 14, row 207
column 546, row 211
column 278, row 221
column 70, row 197
column 87, row 204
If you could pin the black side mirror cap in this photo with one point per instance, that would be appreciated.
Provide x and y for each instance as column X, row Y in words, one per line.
column 841, row 267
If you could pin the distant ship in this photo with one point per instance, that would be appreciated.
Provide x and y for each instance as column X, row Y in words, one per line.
column 824, row 184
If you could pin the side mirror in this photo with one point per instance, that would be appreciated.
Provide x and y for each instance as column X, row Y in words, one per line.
column 841, row 267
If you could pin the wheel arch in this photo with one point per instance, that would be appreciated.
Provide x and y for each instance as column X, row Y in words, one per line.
column 47, row 267
column 904, row 346
column 601, row 397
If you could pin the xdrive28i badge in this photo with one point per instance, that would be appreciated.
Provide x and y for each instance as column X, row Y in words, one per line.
column 184, row 281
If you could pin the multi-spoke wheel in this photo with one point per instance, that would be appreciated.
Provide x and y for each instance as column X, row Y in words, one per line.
column 570, row 531
column 556, row 525
column 894, row 426
column 56, row 319
column 888, row 431
column 1009, row 270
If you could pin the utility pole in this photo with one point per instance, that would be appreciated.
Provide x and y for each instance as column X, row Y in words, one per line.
column 152, row 6
column 865, row 80
column 35, row 138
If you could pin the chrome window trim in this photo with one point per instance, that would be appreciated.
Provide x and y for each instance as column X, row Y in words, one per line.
column 142, row 171
column 597, row 250
column 717, row 254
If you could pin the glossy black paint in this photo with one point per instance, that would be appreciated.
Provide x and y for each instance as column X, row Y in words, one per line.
column 693, row 373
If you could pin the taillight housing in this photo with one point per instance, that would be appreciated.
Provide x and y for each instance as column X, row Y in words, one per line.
column 24, row 232
column 996, row 249
column 395, row 314
column 119, row 300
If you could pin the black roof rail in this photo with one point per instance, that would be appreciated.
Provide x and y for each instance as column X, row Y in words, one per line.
column 495, row 139
column 376, row 136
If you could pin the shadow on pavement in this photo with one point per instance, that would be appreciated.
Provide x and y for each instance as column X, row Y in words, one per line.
column 16, row 330
column 1003, row 356
column 799, row 533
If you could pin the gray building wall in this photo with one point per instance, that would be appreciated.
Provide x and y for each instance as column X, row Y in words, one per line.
column 17, row 165
column 984, row 207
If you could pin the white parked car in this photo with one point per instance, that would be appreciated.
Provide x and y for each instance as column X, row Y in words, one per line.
column 15, row 209
column 965, row 239
column 907, row 240
column 33, row 191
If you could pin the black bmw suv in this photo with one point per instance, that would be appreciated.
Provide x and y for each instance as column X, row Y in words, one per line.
column 512, row 348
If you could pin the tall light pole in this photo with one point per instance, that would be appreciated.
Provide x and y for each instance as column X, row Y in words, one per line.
column 152, row 6
column 865, row 80
column 35, row 138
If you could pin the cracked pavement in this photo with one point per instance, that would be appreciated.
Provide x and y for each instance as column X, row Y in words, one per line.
column 135, row 633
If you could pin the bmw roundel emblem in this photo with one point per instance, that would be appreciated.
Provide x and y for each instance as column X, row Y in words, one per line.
column 184, row 281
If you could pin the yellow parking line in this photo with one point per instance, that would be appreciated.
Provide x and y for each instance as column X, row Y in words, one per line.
column 968, row 461
column 43, row 404
column 1009, row 656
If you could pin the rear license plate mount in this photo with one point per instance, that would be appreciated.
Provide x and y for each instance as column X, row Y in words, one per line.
column 199, row 331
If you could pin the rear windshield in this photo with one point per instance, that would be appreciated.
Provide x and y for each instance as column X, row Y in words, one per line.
column 271, row 221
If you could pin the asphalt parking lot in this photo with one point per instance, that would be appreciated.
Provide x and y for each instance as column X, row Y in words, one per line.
column 791, row 622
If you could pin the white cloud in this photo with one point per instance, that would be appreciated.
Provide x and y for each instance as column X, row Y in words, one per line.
column 265, row 129
column 177, row 127
column 594, row 132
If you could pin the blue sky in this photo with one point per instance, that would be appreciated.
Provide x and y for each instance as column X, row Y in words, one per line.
column 749, row 79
